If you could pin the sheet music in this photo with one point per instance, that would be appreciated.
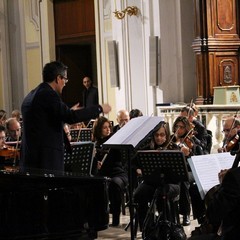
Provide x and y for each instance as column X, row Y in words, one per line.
column 205, row 169
column 134, row 131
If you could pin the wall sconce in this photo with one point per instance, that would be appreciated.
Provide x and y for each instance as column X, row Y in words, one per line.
column 133, row 10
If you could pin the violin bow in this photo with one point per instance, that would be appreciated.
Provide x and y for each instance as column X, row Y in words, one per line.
column 2, row 116
column 172, row 138
column 190, row 107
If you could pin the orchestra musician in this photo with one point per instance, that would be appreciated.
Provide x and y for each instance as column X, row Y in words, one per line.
column 223, row 210
column 231, row 127
column 3, row 117
column 7, row 153
column 122, row 118
column 13, row 130
column 200, row 132
column 143, row 195
column 2, row 145
column 44, row 114
column 109, row 163
column 183, row 133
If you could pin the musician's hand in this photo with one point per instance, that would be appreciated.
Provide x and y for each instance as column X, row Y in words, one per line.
column 106, row 108
column 139, row 172
column 222, row 174
column 99, row 165
column 185, row 150
column 221, row 150
column 76, row 107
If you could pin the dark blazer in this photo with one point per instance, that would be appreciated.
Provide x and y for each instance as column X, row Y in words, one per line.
column 90, row 97
column 225, row 205
column 44, row 114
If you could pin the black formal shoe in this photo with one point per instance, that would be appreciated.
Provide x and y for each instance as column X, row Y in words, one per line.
column 186, row 220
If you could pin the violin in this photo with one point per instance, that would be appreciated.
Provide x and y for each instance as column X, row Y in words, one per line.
column 188, row 142
column 8, row 152
column 232, row 143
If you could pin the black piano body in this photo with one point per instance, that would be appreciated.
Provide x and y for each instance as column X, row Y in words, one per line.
column 41, row 205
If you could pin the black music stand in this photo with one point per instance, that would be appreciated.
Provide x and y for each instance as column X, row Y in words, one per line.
column 81, row 159
column 85, row 135
column 82, row 135
column 90, row 123
column 129, row 138
column 160, row 168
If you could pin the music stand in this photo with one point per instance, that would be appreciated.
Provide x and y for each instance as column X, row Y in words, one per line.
column 74, row 134
column 81, row 158
column 90, row 123
column 170, row 163
column 85, row 135
column 160, row 168
column 82, row 134
column 129, row 138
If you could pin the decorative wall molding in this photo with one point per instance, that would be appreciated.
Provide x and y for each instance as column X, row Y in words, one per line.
column 34, row 13
column 32, row 45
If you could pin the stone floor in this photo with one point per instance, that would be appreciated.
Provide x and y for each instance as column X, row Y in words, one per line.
column 120, row 234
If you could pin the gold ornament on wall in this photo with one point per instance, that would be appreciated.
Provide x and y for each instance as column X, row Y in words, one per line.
column 130, row 10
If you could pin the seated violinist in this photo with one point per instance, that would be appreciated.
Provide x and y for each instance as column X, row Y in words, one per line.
column 2, row 137
column 199, row 130
column 160, row 140
column 231, row 127
column 182, row 137
column 7, row 153
column 223, row 210
column 13, row 130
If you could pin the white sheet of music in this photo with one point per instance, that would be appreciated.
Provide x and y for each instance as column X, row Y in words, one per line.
column 205, row 169
column 134, row 131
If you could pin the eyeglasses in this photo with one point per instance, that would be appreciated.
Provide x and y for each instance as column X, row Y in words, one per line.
column 180, row 126
column 65, row 79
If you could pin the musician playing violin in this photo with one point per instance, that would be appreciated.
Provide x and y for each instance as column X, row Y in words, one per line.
column 182, row 131
column 199, row 130
column 183, row 137
column 231, row 127
column 2, row 137
column 144, row 192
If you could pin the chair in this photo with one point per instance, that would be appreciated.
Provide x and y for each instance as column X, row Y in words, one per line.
column 82, row 135
column 81, row 158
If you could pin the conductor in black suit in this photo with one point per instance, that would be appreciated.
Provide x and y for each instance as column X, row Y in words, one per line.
column 44, row 114
column 90, row 93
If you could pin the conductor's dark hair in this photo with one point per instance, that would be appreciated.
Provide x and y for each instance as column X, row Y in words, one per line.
column 52, row 70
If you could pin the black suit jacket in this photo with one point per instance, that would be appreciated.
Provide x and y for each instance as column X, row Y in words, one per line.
column 90, row 97
column 44, row 114
column 225, row 206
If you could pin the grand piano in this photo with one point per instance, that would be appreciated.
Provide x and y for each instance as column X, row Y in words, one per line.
column 52, row 205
